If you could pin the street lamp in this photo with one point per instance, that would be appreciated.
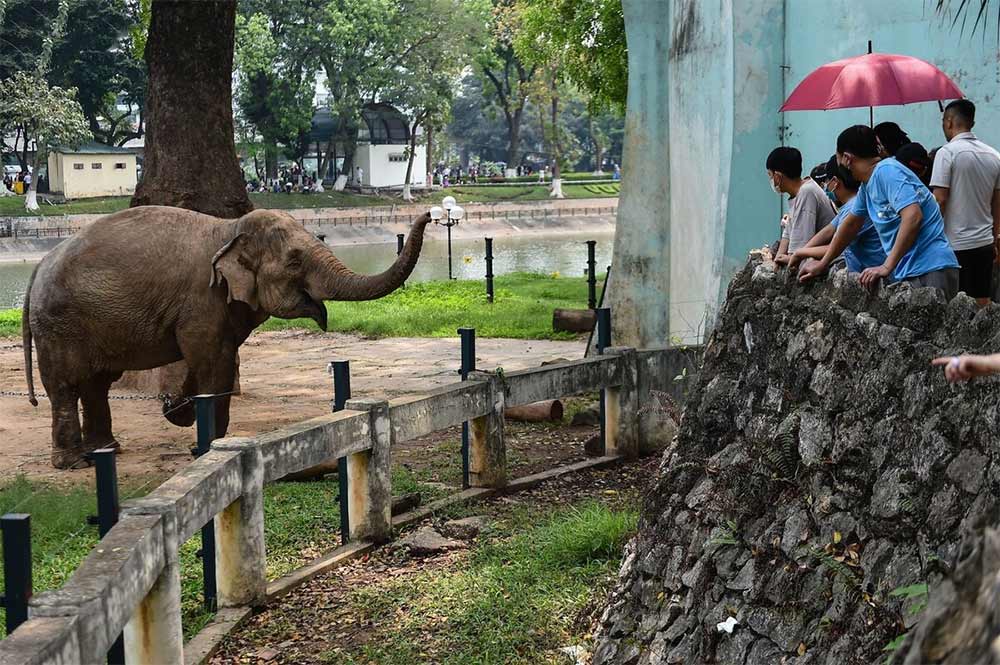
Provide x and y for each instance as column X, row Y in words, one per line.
column 455, row 215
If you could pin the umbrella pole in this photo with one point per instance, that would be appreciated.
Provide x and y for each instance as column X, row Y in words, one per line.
column 871, row 111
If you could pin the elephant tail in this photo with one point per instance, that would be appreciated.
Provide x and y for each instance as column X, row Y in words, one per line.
column 26, row 339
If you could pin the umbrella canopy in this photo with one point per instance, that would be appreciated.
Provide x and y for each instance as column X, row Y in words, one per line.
column 875, row 79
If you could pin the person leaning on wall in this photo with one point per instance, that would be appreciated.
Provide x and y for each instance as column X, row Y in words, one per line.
column 808, row 210
column 904, row 214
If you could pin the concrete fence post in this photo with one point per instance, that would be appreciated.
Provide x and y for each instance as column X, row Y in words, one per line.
column 487, row 449
column 369, row 494
column 154, row 633
column 240, row 558
column 621, row 413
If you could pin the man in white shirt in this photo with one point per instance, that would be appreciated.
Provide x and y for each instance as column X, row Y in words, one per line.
column 966, row 184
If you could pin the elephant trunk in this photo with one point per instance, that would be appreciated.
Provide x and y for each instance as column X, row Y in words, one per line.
column 338, row 282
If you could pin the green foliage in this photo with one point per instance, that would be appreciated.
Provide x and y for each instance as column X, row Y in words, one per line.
column 513, row 602
column 587, row 40
column 10, row 322
column 523, row 309
column 51, row 114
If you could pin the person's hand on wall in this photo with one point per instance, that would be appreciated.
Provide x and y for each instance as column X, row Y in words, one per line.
column 965, row 367
column 811, row 270
column 871, row 277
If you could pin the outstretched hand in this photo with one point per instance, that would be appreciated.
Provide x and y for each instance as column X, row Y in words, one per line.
column 871, row 276
column 963, row 368
column 811, row 270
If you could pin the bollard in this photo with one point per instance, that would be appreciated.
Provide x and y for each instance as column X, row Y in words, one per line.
column 468, row 336
column 16, row 528
column 399, row 245
column 489, row 269
column 603, row 342
column 341, row 370
column 204, row 408
column 108, row 507
column 591, row 275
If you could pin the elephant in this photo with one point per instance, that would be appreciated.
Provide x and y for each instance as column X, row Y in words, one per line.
column 151, row 285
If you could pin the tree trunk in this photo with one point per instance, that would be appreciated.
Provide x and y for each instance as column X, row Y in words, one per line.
column 538, row 412
column 190, row 155
column 573, row 320
column 31, row 200
column 598, row 165
column 429, row 177
column 407, row 196
column 557, row 191
column 514, row 139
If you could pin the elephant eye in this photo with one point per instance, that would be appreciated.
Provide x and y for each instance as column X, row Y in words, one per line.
column 294, row 263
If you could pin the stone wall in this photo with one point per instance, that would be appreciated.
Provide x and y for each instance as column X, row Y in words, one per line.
column 822, row 469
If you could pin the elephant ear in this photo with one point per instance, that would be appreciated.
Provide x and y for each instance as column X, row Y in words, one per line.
column 232, row 263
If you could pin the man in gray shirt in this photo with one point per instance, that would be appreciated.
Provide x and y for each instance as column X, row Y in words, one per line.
column 809, row 208
column 966, row 184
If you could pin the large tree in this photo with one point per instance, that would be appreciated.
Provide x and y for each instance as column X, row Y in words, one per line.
column 507, row 76
column 190, row 155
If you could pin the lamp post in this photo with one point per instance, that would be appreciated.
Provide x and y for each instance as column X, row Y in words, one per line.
column 455, row 215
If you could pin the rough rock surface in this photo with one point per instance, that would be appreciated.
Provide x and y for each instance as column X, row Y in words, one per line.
column 820, row 466
column 425, row 541
column 466, row 528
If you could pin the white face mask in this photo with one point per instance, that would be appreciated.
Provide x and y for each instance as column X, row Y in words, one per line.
column 774, row 185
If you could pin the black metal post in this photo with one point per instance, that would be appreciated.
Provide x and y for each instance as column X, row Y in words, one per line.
column 107, row 516
column 342, row 393
column 468, row 336
column 591, row 276
column 17, row 582
column 489, row 269
column 204, row 409
column 449, row 225
column 603, row 342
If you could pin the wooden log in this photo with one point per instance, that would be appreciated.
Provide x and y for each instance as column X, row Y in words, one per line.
column 312, row 473
column 405, row 503
column 550, row 409
column 573, row 320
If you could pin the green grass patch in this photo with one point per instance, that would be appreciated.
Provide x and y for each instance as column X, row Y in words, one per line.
column 302, row 521
column 522, row 309
column 513, row 601
column 10, row 322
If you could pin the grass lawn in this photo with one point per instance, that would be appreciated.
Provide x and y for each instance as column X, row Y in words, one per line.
column 302, row 521
column 514, row 600
column 13, row 206
column 522, row 309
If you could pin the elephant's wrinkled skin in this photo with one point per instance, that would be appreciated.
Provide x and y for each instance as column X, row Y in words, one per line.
column 152, row 285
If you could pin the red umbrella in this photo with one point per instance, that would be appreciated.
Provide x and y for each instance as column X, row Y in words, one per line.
column 875, row 79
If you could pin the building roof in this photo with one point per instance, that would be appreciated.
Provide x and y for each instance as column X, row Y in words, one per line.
column 381, row 124
column 93, row 148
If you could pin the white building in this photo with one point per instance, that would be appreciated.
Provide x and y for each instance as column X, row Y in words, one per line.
column 381, row 148
column 93, row 169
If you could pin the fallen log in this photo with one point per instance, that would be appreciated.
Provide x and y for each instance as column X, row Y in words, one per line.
column 405, row 503
column 551, row 409
column 573, row 320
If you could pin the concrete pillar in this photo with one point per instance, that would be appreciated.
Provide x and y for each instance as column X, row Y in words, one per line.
column 154, row 633
column 621, row 406
column 240, row 559
column 369, row 495
column 487, row 449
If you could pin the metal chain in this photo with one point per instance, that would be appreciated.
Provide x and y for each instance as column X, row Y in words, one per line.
column 16, row 393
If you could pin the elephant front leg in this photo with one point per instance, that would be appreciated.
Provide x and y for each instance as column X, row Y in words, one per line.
column 97, row 414
column 67, row 443
column 179, row 410
column 211, row 372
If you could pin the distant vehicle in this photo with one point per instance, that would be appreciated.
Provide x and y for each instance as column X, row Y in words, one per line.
column 13, row 169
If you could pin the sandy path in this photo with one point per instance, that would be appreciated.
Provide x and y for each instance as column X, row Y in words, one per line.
column 284, row 380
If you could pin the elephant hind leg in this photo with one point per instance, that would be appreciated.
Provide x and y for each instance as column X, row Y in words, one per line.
column 97, row 412
column 67, row 443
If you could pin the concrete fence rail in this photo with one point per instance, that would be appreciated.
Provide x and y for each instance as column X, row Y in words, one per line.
column 131, row 582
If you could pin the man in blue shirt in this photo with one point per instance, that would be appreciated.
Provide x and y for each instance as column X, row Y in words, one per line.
column 865, row 251
column 904, row 214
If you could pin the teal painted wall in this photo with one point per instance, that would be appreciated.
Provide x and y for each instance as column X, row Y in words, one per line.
column 719, row 115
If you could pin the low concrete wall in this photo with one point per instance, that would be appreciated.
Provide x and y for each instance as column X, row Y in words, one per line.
column 130, row 582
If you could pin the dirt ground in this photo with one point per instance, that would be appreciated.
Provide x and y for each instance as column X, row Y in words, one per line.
column 284, row 380
column 320, row 622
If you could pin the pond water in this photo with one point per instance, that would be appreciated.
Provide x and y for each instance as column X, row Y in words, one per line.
column 565, row 254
